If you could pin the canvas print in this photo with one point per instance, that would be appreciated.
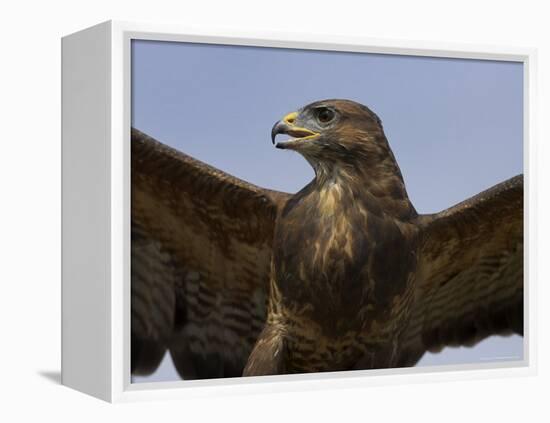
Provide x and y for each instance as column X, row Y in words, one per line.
column 303, row 211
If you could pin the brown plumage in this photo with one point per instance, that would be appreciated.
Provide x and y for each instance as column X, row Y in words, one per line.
column 234, row 279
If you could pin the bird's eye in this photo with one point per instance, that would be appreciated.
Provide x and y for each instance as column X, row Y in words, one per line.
column 325, row 115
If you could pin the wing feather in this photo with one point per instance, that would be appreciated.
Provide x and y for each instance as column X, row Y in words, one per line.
column 201, row 253
column 470, row 276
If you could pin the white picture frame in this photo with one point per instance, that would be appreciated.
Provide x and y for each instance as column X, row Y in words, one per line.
column 96, row 213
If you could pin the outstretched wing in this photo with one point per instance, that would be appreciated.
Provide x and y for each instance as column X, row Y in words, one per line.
column 200, row 264
column 470, row 276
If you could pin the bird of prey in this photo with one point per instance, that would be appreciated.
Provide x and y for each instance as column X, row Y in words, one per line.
column 233, row 279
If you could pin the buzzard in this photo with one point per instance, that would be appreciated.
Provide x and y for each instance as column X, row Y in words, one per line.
column 233, row 279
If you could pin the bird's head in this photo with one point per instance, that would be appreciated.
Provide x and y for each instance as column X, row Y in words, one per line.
column 344, row 142
column 332, row 132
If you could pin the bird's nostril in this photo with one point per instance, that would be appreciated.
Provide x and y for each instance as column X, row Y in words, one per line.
column 290, row 118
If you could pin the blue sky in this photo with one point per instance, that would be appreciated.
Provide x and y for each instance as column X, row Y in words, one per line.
column 455, row 126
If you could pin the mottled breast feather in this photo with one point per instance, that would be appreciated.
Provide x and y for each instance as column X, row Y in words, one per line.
column 201, row 252
column 470, row 277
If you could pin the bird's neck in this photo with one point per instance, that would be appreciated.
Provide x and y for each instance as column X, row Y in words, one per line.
column 379, row 187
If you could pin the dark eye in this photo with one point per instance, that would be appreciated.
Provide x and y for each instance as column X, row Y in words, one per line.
column 325, row 115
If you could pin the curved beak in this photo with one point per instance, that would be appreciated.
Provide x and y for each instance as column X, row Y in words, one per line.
column 281, row 127
column 287, row 126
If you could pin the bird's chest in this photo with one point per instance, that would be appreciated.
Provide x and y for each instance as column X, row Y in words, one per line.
column 333, row 261
column 318, row 253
